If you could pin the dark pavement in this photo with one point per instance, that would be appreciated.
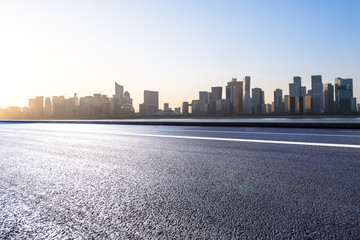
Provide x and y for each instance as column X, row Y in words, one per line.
column 85, row 181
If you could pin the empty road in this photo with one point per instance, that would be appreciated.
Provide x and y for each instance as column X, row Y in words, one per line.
column 91, row 181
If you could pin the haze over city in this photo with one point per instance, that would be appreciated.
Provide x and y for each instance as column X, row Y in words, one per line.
column 163, row 119
column 57, row 48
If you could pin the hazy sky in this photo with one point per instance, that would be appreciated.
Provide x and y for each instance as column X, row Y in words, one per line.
column 176, row 47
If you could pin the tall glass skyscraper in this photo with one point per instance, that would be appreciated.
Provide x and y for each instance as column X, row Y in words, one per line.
column 345, row 102
column 317, row 94
column 329, row 98
column 235, row 89
column 278, row 102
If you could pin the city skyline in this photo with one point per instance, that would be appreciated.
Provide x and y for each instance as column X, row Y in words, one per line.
column 174, row 48
column 269, row 97
column 239, row 99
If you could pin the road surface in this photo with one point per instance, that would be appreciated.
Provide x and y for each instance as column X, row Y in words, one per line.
column 87, row 181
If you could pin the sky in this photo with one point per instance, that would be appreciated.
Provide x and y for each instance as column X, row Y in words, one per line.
column 51, row 48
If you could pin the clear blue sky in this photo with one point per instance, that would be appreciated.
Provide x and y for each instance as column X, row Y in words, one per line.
column 176, row 47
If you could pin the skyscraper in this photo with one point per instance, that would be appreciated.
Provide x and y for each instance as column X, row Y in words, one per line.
column 201, row 106
column 257, row 100
column 119, row 91
column 216, row 94
column 151, row 103
column 278, row 103
column 118, row 99
column 307, row 104
column 303, row 91
column 36, row 107
column 230, row 95
column 317, row 94
column 236, row 92
column 329, row 98
column 185, row 108
column 127, row 99
column 222, row 106
column 47, row 108
column 295, row 88
column 247, row 104
column 204, row 97
column 345, row 102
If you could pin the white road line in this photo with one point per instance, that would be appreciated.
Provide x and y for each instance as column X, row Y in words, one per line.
column 245, row 140
column 265, row 133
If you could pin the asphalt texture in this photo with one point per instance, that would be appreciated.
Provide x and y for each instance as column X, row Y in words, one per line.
column 85, row 181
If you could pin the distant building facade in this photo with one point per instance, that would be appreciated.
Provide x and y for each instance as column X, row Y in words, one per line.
column 329, row 98
column 258, row 103
column 151, row 103
column 247, row 103
column 234, row 92
column 344, row 100
column 317, row 94
column 278, row 101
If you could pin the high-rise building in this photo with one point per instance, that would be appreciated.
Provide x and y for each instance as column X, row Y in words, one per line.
column 235, row 94
column 295, row 88
column 216, row 94
column 336, row 102
column 119, row 91
column 204, row 97
column 97, row 104
column 230, row 95
column 89, row 106
column 290, row 104
column 307, row 104
column 118, row 99
column 344, row 100
column 201, row 106
column 257, row 100
column 58, row 106
column 151, row 103
column 286, row 104
column 299, row 104
column 303, row 91
column 185, row 108
column 47, row 108
column 297, row 80
column 166, row 106
column 317, row 94
column 127, row 99
column 329, row 98
column 36, row 107
column 196, row 108
column 177, row 110
column 278, row 103
column 353, row 105
column 222, row 106
column 268, row 108
column 247, row 104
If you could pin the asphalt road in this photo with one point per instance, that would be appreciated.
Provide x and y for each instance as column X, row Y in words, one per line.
column 86, row 181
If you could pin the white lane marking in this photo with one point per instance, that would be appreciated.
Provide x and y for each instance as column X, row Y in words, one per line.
column 245, row 140
column 265, row 133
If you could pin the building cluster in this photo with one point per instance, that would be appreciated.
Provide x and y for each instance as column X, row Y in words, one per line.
column 96, row 106
column 239, row 99
column 322, row 98
column 150, row 107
